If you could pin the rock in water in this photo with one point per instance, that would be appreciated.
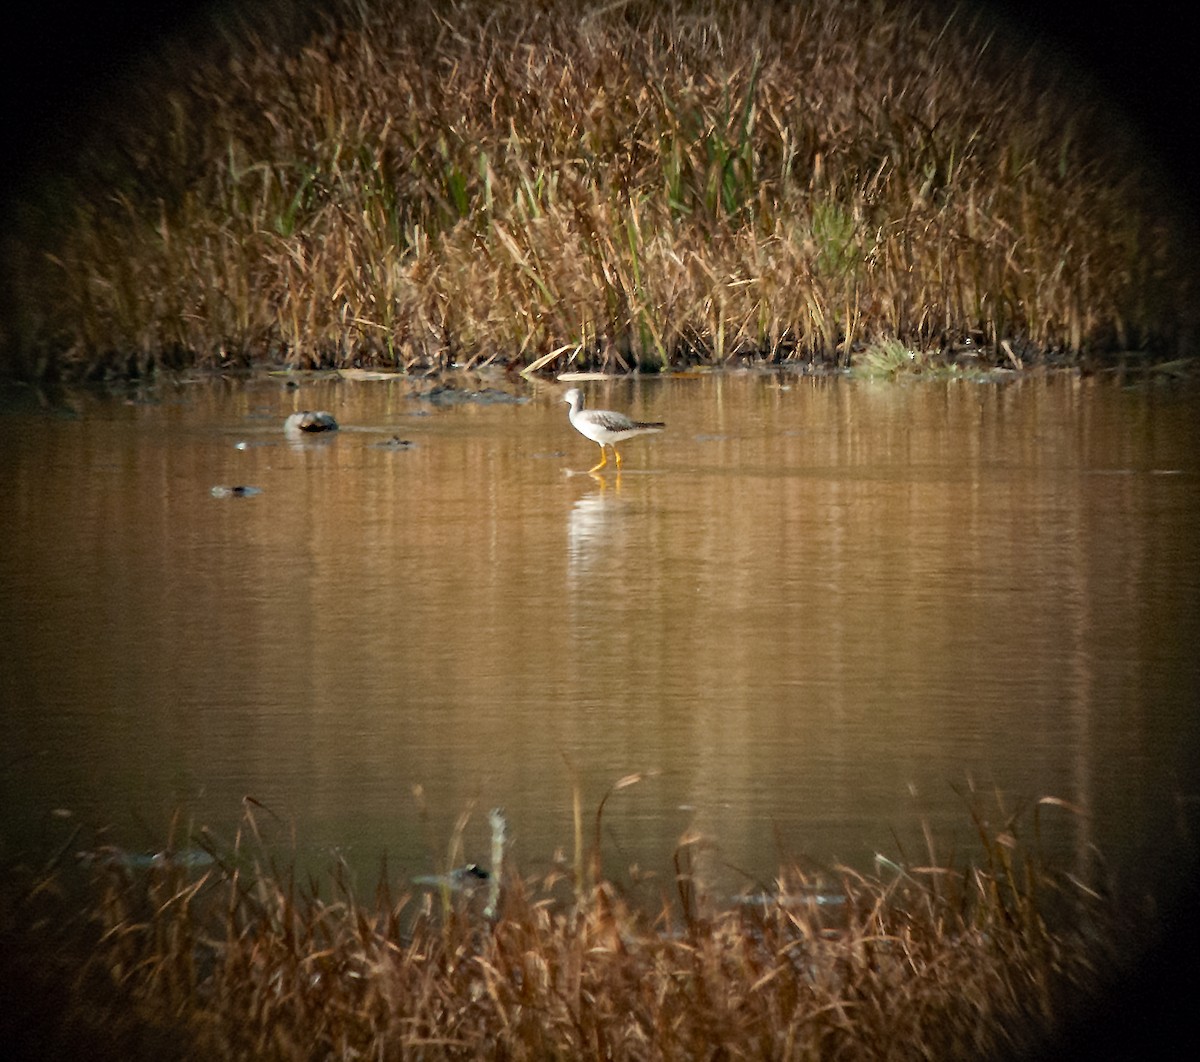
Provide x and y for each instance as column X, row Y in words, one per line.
column 309, row 420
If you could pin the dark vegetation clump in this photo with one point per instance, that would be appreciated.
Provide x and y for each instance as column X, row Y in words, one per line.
column 211, row 952
column 569, row 184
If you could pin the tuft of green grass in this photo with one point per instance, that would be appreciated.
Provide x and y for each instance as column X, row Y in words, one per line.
column 889, row 358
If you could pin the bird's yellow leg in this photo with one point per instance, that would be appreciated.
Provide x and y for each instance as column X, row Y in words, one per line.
column 603, row 460
column 617, row 455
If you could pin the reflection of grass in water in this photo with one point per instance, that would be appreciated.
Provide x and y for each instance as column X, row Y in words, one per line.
column 241, row 960
column 617, row 185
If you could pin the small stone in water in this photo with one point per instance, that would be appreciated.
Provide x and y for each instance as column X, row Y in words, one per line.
column 310, row 420
column 235, row 492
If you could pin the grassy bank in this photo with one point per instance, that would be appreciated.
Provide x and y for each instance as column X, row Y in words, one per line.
column 229, row 957
column 573, row 185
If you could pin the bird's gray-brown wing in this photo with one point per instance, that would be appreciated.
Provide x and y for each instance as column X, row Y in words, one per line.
column 610, row 421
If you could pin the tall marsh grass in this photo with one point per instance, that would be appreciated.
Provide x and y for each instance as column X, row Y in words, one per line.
column 239, row 959
column 575, row 184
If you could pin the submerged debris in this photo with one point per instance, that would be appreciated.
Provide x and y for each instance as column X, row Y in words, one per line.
column 448, row 395
column 466, row 877
column 240, row 491
column 184, row 858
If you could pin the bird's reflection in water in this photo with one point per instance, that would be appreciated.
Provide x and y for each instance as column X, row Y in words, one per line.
column 593, row 524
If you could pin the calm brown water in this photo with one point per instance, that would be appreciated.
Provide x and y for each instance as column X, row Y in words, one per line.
column 814, row 613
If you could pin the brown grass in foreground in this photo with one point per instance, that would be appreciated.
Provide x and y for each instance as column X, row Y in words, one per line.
column 572, row 184
column 237, row 961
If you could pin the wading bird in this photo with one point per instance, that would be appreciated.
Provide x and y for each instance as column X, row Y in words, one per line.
column 604, row 427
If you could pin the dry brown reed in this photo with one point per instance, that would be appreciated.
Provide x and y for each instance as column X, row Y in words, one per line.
column 238, row 961
column 577, row 184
